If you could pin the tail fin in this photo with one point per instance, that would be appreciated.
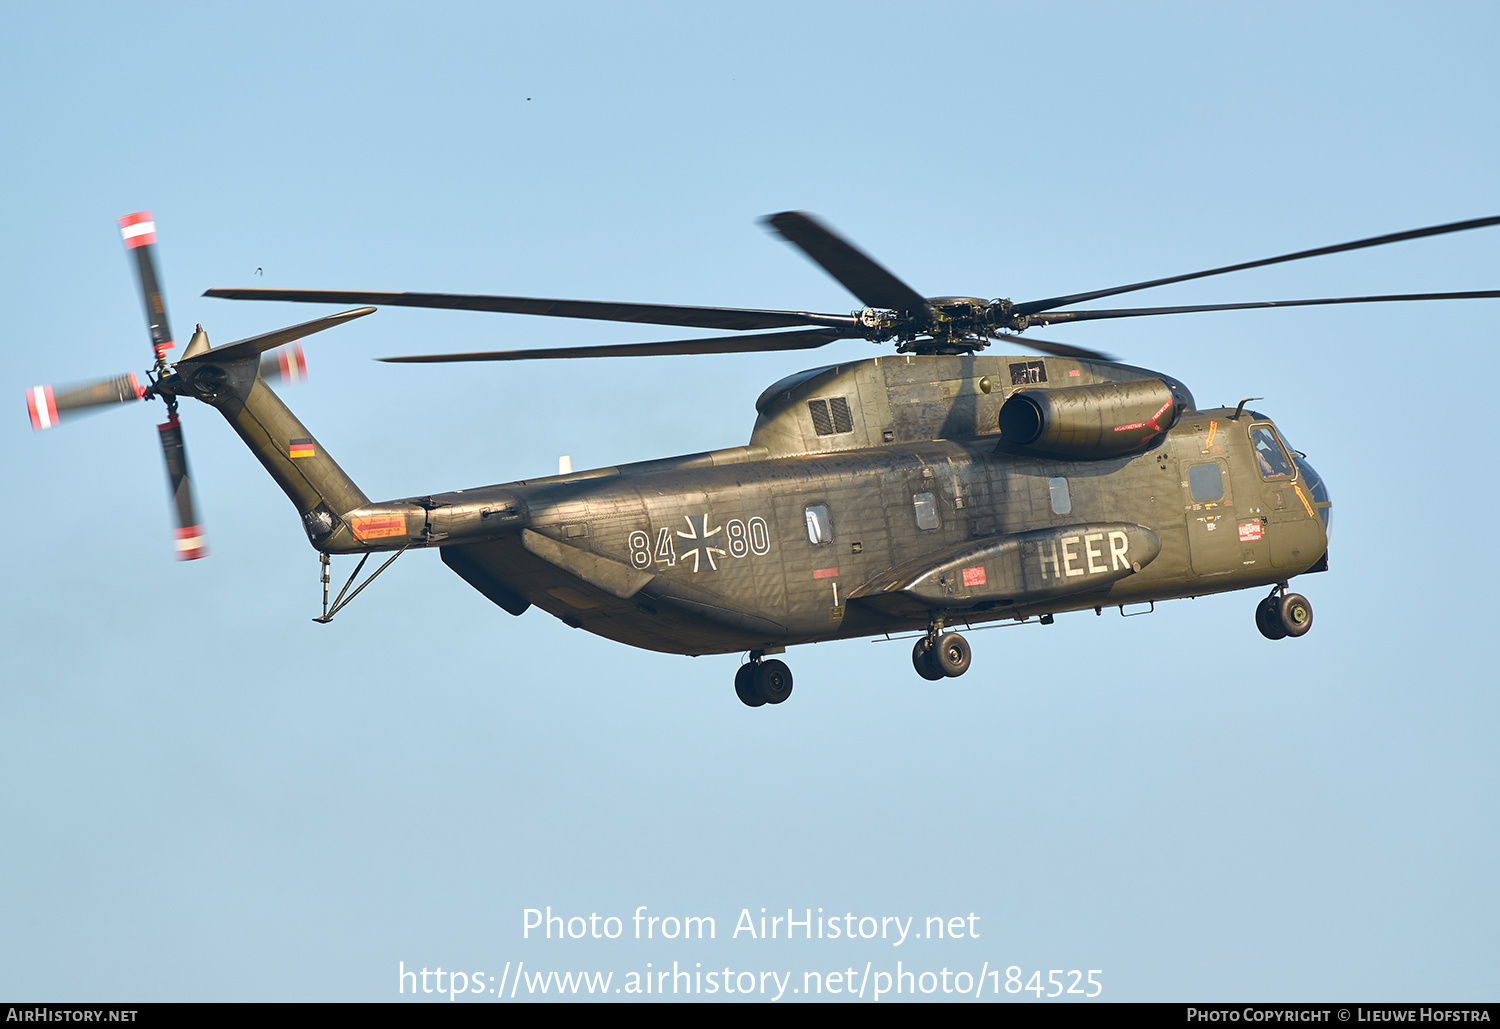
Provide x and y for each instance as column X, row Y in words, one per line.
column 229, row 379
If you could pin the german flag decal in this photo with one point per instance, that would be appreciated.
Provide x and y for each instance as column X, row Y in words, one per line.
column 374, row 527
column 301, row 448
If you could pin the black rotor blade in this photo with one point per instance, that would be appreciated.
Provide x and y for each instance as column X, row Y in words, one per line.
column 191, row 543
column 139, row 232
column 1055, row 349
column 47, row 406
column 805, row 339
column 1048, row 317
column 733, row 318
column 1035, row 306
column 859, row 273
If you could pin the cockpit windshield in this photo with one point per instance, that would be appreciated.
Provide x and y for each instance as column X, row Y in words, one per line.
column 1274, row 464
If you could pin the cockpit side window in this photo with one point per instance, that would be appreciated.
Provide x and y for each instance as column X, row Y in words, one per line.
column 1274, row 464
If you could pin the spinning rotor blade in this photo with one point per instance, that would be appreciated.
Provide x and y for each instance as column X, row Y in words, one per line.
column 651, row 314
column 1055, row 349
column 191, row 542
column 1048, row 317
column 805, row 339
column 284, row 365
column 139, row 232
column 1037, row 306
column 859, row 273
column 48, row 406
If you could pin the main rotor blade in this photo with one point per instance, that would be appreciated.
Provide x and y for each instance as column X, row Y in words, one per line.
column 1048, row 317
column 139, row 232
column 1035, row 306
column 859, row 273
column 47, row 406
column 191, row 541
column 805, row 339
column 1055, row 349
column 734, row 318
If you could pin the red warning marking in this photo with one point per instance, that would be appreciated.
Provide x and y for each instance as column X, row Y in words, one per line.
column 1249, row 532
column 140, row 391
column 191, row 543
column 293, row 366
column 825, row 573
column 1148, row 423
column 1072, row 373
column 41, row 407
column 378, row 526
column 138, row 229
column 974, row 576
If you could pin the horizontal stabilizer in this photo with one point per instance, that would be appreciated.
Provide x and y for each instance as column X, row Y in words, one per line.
column 254, row 345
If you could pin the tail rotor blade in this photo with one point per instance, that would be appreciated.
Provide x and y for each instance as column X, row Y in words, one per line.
column 48, row 405
column 139, row 232
column 285, row 364
column 190, row 539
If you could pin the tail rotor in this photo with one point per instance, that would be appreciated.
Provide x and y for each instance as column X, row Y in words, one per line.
column 48, row 405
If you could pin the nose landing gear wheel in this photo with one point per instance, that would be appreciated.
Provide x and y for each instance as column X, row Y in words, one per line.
column 1296, row 614
column 1280, row 616
column 1268, row 619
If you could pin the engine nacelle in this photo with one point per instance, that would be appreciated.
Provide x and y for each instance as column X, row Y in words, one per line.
column 1080, row 422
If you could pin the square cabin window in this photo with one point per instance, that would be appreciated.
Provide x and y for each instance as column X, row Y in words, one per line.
column 1062, row 500
column 925, row 504
column 1206, row 483
column 819, row 525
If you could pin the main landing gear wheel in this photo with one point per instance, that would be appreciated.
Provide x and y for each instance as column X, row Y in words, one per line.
column 922, row 661
column 1283, row 614
column 759, row 682
column 947, row 656
column 951, row 655
column 744, row 685
column 773, row 681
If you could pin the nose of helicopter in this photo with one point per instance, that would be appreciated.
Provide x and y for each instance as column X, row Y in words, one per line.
column 1317, row 489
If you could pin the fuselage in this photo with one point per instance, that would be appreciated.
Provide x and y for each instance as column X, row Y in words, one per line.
column 835, row 522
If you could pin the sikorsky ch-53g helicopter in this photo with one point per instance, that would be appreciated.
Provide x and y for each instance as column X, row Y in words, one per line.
column 932, row 487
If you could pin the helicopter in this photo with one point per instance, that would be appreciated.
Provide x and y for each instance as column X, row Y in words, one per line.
column 933, row 487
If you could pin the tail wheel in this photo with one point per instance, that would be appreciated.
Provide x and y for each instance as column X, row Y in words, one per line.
column 1295, row 614
column 773, row 681
column 922, row 661
column 951, row 654
column 744, row 685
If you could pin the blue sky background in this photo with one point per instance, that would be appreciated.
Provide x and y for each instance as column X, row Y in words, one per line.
column 204, row 795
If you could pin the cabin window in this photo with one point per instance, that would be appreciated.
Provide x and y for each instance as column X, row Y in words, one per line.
column 1062, row 500
column 819, row 525
column 925, row 504
column 831, row 417
column 1268, row 453
column 1206, row 483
